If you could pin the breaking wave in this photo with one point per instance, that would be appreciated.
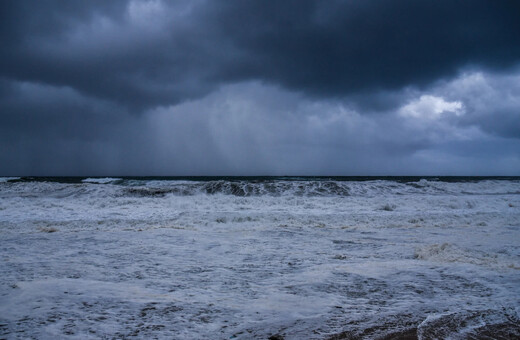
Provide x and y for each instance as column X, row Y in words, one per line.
column 279, row 186
column 316, row 188
column 105, row 180
column 8, row 179
column 242, row 188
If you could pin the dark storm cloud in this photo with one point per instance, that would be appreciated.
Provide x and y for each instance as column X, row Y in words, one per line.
column 337, row 47
column 53, row 112
column 98, row 50
column 153, row 87
column 323, row 48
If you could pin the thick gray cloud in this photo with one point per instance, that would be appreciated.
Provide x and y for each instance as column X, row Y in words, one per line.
column 255, row 87
column 152, row 52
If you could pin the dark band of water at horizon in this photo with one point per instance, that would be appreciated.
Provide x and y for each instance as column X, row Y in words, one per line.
column 253, row 179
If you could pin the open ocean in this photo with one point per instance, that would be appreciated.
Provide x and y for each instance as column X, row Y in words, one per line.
column 257, row 257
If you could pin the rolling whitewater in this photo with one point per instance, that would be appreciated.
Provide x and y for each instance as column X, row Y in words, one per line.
column 260, row 257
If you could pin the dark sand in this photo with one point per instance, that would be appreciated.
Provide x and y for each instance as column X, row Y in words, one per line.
column 409, row 334
column 504, row 331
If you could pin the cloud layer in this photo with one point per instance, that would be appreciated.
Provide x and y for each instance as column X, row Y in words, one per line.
column 255, row 87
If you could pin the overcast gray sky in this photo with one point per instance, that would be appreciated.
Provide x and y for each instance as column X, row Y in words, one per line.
column 237, row 87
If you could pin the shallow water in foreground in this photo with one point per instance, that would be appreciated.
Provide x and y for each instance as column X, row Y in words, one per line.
column 241, row 259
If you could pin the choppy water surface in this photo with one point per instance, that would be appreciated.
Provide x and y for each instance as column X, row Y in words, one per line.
column 304, row 258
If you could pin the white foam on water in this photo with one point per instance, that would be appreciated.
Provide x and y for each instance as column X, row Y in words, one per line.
column 7, row 179
column 104, row 180
column 172, row 260
column 448, row 252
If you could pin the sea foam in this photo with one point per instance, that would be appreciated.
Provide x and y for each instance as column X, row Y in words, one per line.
column 242, row 259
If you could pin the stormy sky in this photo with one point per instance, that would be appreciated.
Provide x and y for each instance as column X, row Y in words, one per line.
column 238, row 87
